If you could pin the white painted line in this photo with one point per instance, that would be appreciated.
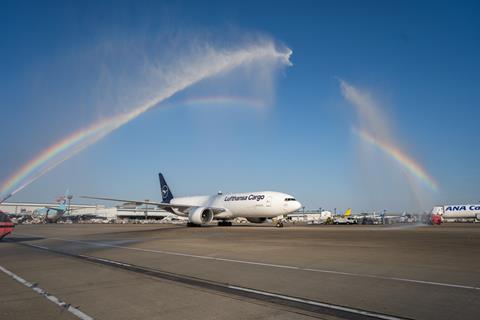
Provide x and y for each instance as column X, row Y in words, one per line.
column 350, row 274
column 316, row 303
column 37, row 246
column 79, row 314
column 280, row 296
column 105, row 260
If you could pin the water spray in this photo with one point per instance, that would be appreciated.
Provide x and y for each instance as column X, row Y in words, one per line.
column 213, row 63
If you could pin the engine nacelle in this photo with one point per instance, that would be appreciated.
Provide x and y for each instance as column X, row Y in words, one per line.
column 200, row 215
column 256, row 220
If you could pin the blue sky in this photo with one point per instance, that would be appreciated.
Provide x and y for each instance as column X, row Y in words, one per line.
column 64, row 64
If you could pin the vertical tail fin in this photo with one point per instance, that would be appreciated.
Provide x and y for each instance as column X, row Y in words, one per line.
column 65, row 197
column 347, row 213
column 62, row 201
column 165, row 190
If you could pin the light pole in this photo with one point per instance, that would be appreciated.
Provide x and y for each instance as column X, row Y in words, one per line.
column 146, row 208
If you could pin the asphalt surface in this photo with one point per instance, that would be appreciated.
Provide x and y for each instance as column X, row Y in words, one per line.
column 174, row 272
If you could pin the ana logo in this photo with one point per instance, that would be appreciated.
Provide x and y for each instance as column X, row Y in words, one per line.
column 456, row 208
column 164, row 190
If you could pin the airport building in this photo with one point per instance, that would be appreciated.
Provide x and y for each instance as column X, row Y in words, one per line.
column 79, row 210
column 19, row 208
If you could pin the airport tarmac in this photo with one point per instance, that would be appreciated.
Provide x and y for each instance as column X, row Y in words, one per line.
column 243, row 272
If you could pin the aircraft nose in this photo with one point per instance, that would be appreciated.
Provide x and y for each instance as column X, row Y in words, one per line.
column 297, row 205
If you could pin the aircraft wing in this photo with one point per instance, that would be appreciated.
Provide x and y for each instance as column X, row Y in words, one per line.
column 56, row 209
column 181, row 207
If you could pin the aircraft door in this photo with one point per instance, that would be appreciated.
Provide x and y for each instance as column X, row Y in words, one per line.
column 269, row 201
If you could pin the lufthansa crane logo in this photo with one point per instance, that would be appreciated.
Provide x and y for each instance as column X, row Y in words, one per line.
column 164, row 190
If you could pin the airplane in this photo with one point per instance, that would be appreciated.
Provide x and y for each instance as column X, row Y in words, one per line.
column 454, row 212
column 345, row 219
column 256, row 207
column 52, row 214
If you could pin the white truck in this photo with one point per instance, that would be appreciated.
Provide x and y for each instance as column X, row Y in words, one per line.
column 346, row 219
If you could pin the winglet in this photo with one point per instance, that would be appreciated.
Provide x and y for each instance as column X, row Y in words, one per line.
column 165, row 190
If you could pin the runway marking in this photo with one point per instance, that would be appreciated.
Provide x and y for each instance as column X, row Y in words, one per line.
column 79, row 314
column 274, row 298
column 316, row 303
column 280, row 266
column 37, row 246
column 105, row 260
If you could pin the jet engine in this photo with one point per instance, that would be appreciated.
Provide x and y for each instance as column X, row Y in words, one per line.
column 200, row 215
column 256, row 220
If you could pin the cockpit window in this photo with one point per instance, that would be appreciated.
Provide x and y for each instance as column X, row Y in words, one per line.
column 290, row 199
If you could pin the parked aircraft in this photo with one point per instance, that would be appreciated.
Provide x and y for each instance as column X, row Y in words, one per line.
column 346, row 219
column 52, row 214
column 453, row 212
column 256, row 207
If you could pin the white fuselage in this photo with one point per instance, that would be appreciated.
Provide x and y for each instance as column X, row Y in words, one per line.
column 263, row 204
column 462, row 211
column 49, row 214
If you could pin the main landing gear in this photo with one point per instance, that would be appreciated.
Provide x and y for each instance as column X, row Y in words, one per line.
column 224, row 223
column 279, row 224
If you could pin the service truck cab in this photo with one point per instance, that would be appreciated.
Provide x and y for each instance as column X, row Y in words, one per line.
column 6, row 225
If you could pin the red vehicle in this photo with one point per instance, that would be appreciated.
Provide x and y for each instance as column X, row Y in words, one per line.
column 6, row 226
column 436, row 219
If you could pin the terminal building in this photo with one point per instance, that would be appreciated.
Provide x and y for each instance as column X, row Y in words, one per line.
column 25, row 208
column 125, row 211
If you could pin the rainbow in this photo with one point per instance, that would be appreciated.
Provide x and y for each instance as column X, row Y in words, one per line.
column 68, row 147
column 214, row 63
column 56, row 154
column 225, row 100
column 403, row 159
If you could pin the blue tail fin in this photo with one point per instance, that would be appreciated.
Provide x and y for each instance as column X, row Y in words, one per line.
column 62, row 201
column 65, row 197
column 165, row 190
